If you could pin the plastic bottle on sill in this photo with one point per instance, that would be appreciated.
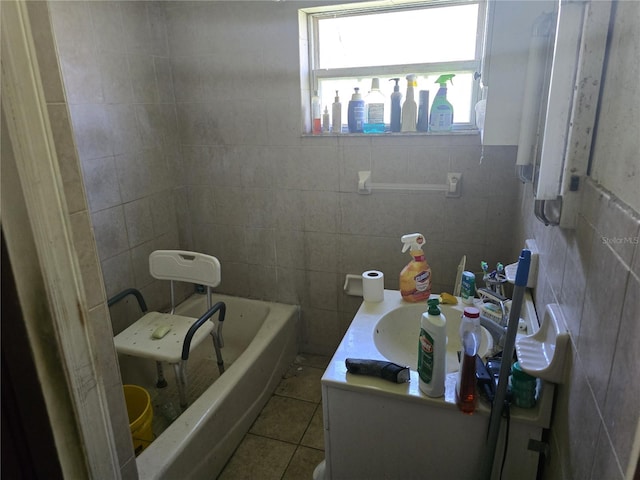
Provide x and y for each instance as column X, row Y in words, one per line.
column 396, row 107
column 409, row 107
column 325, row 120
column 356, row 112
column 316, row 114
column 336, row 112
column 375, row 109
column 441, row 110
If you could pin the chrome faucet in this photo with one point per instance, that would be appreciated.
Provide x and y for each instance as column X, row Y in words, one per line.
column 497, row 330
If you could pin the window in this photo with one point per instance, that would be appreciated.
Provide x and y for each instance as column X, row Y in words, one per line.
column 350, row 46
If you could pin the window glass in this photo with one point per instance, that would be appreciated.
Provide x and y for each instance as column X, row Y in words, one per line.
column 430, row 35
column 349, row 48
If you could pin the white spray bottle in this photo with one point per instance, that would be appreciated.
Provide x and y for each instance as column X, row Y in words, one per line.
column 409, row 107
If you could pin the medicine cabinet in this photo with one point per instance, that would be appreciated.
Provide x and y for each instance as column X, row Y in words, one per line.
column 542, row 72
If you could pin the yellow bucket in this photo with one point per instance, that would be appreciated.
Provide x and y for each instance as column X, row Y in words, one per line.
column 140, row 416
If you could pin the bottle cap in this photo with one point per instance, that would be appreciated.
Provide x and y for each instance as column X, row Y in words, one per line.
column 433, row 306
column 396, row 87
column 471, row 312
column 375, row 84
column 356, row 95
column 520, row 374
column 337, row 97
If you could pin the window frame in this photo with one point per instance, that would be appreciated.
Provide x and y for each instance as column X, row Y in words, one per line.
column 464, row 66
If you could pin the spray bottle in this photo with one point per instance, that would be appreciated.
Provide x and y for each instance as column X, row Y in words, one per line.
column 409, row 107
column 396, row 107
column 415, row 277
column 432, row 350
column 441, row 110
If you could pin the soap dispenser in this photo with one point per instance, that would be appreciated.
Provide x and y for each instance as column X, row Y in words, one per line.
column 356, row 112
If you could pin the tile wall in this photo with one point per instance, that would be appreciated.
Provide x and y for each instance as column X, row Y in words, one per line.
column 593, row 273
column 81, row 229
column 118, row 81
column 596, row 282
column 282, row 211
column 187, row 117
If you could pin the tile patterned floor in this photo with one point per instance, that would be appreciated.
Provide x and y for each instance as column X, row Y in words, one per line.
column 286, row 441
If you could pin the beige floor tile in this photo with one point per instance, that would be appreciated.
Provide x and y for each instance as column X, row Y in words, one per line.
column 303, row 463
column 312, row 360
column 301, row 382
column 284, row 418
column 258, row 458
column 314, row 436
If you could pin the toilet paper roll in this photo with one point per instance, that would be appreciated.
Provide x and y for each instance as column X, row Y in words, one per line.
column 373, row 286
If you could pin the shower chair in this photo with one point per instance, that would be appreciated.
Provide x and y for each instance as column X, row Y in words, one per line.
column 167, row 337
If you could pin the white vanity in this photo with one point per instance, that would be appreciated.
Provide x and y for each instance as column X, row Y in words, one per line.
column 375, row 429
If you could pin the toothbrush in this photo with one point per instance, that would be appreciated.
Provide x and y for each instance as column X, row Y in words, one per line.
column 485, row 270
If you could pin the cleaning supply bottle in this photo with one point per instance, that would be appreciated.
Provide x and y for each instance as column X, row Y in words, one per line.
column 423, row 111
column 316, row 114
column 375, row 109
column 415, row 277
column 441, row 110
column 336, row 112
column 356, row 112
column 409, row 107
column 432, row 350
column 466, row 394
column 325, row 120
column 396, row 108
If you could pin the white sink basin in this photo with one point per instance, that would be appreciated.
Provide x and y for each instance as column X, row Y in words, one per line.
column 396, row 335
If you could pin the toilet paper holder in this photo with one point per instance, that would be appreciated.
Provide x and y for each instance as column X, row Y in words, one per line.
column 353, row 285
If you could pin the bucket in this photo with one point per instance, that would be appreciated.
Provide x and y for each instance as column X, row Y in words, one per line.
column 140, row 416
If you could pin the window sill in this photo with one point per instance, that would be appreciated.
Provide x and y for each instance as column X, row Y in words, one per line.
column 465, row 132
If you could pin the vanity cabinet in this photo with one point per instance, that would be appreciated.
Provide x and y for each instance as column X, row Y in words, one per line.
column 375, row 429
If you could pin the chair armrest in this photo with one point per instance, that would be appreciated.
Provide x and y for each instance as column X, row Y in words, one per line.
column 218, row 307
column 129, row 291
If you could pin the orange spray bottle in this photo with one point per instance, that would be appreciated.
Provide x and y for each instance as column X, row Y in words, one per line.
column 415, row 278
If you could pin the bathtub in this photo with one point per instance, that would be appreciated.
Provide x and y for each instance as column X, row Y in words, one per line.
column 260, row 343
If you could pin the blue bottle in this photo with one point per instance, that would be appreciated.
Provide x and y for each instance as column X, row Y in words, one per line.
column 356, row 113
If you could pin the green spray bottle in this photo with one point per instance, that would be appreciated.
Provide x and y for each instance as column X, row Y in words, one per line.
column 441, row 117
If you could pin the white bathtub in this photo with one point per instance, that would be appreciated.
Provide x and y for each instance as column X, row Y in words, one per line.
column 260, row 343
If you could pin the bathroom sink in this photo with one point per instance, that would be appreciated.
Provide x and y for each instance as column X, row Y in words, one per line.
column 396, row 335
